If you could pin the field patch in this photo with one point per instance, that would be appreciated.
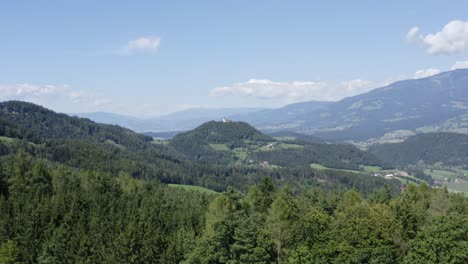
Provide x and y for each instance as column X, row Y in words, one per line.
column 219, row 147
column 6, row 139
column 193, row 188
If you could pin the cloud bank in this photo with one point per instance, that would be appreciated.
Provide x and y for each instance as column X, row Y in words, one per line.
column 294, row 91
column 460, row 65
column 61, row 97
column 453, row 38
column 425, row 73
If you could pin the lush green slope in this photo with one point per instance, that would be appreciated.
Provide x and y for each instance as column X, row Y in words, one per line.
column 37, row 123
column 448, row 148
column 84, row 144
column 204, row 144
column 338, row 156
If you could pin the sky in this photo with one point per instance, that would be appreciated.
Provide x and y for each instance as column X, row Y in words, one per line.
column 146, row 58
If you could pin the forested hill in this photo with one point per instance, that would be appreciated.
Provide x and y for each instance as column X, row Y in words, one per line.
column 83, row 144
column 35, row 124
column 212, row 142
column 240, row 143
column 223, row 132
column 449, row 148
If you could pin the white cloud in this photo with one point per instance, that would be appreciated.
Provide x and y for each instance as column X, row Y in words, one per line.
column 294, row 91
column 61, row 97
column 143, row 44
column 425, row 73
column 356, row 86
column 413, row 35
column 453, row 38
column 460, row 65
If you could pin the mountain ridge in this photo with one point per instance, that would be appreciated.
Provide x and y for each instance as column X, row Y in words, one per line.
column 437, row 103
column 415, row 104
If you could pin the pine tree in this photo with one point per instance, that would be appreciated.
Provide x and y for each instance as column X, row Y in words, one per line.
column 280, row 221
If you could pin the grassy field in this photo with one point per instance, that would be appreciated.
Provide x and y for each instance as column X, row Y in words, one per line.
column 220, row 147
column 371, row 168
column 461, row 187
column 285, row 138
column 193, row 188
column 318, row 166
column 404, row 181
column 321, row 167
column 290, row 146
column 160, row 142
column 6, row 139
column 440, row 174
column 280, row 145
column 241, row 153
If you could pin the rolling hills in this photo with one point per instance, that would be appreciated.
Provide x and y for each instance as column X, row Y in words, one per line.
column 222, row 152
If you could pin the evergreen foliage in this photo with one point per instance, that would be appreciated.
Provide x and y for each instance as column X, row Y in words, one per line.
column 449, row 148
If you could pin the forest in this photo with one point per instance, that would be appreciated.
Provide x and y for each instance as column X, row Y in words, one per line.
column 62, row 215
column 449, row 148
column 74, row 191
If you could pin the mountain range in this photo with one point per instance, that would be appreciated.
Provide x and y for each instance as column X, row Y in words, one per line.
column 174, row 122
column 433, row 104
column 438, row 103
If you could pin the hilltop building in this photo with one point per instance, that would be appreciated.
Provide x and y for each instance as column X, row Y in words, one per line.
column 226, row 120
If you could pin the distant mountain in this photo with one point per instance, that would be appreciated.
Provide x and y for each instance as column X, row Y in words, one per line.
column 436, row 103
column 448, row 148
column 178, row 121
column 108, row 118
column 207, row 114
column 284, row 118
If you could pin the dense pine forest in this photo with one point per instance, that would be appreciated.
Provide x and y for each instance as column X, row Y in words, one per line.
column 74, row 191
column 61, row 215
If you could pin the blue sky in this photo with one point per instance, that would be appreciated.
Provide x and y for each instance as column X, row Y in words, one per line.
column 155, row 57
